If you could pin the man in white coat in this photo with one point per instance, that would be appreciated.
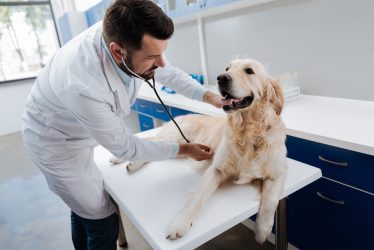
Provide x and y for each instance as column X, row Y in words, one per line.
column 79, row 100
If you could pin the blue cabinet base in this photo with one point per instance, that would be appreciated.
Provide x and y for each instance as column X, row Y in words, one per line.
column 327, row 215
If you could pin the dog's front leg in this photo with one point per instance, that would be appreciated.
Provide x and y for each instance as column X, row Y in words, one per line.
column 271, row 193
column 183, row 221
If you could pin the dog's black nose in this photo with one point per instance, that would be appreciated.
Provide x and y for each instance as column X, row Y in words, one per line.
column 224, row 79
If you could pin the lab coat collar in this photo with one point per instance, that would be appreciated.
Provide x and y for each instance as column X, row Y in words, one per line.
column 124, row 77
column 115, row 83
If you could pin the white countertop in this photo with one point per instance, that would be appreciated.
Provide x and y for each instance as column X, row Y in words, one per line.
column 343, row 123
column 153, row 195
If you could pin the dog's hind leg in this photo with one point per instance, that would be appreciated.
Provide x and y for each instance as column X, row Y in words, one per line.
column 132, row 166
column 135, row 165
column 167, row 133
column 114, row 160
column 271, row 192
column 183, row 221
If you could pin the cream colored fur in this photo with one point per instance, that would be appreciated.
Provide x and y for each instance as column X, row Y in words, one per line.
column 249, row 144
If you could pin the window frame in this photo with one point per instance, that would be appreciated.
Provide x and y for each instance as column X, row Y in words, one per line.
column 19, row 3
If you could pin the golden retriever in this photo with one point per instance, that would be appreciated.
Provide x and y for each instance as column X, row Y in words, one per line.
column 249, row 143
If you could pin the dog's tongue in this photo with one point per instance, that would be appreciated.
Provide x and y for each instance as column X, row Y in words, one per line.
column 228, row 102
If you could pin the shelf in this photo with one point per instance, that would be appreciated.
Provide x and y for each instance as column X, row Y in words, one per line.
column 225, row 8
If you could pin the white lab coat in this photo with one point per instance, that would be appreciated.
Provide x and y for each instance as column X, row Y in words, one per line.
column 77, row 102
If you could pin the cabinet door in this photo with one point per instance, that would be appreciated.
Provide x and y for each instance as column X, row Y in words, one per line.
column 151, row 109
column 328, row 215
column 177, row 112
column 352, row 168
column 145, row 122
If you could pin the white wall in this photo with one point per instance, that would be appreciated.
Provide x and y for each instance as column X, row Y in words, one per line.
column 183, row 48
column 12, row 101
column 328, row 42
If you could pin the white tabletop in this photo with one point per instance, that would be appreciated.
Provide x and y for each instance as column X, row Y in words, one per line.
column 153, row 195
column 343, row 123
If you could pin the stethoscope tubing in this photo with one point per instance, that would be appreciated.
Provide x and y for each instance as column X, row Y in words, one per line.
column 153, row 86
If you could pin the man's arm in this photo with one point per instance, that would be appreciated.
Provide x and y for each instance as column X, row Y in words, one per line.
column 184, row 84
column 109, row 130
column 213, row 98
column 97, row 117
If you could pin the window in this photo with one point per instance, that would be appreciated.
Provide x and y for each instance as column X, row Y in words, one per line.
column 28, row 38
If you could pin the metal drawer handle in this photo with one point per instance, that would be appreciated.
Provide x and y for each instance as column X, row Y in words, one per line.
column 146, row 126
column 160, row 111
column 342, row 164
column 330, row 200
column 143, row 105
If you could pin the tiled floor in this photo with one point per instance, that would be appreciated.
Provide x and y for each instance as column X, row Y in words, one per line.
column 32, row 217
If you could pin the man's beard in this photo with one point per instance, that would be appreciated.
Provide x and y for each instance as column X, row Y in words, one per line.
column 147, row 75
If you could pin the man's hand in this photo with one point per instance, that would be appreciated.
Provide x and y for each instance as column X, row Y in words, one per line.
column 213, row 98
column 198, row 152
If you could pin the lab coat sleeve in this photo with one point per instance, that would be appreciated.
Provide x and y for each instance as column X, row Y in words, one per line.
column 174, row 78
column 99, row 119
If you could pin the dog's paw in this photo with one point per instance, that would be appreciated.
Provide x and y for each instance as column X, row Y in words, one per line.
column 241, row 181
column 263, row 229
column 115, row 160
column 261, row 236
column 134, row 165
column 178, row 228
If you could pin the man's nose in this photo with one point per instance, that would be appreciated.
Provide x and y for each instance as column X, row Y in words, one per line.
column 160, row 61
column 224, row 79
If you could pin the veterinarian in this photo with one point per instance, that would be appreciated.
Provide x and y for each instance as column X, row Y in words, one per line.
column 80, row 99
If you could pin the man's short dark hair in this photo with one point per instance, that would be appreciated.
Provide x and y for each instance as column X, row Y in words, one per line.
column 126, row 21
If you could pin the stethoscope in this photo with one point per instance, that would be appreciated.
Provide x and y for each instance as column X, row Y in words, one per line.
column 153, row 86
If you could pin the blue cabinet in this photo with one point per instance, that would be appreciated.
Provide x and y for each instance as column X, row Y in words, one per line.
column 156, row 110
column 335, row 212
column 352, row 168
column 328, row 215
column 152, row 109
column 177, row 112
column 145, row 122
column 148, row 110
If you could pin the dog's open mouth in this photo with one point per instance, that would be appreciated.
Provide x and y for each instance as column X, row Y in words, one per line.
column 232, row 103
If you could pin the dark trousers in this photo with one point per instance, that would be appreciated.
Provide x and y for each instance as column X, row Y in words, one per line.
column 99, row 234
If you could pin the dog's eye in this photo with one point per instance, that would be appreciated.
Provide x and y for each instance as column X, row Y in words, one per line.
column 227, row 69
column 249, row 71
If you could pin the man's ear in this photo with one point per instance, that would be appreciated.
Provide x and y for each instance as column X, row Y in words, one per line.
column 117, row 52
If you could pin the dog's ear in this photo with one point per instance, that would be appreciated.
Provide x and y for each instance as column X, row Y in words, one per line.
column 275, row 95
